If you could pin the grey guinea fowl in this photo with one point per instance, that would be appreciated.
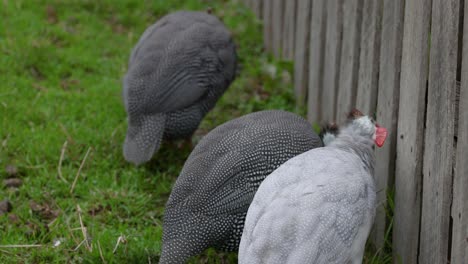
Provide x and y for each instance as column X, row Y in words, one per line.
column 211, row 196
column 319, row 206
column 177, row 71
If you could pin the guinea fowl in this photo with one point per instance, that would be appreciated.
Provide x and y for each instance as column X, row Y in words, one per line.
column 211, row 196
column 177, row 71
column 317, row 207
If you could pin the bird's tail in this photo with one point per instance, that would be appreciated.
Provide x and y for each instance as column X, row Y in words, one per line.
column 144, row 135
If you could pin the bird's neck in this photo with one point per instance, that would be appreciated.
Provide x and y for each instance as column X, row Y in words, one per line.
column 351, row 140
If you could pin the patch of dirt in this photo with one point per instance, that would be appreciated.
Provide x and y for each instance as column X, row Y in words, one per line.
column 35, row 230
column 98, row 209
column 36, row 73
column 43, row 211
column 69, row 83
column 5, row 207
column 39, row 87
column 116, row 26
column 52, row 17
column 12, row 182
column 11, row 170
column 14, row 219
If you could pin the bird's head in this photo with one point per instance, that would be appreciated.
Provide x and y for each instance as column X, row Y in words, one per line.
column 366, row 126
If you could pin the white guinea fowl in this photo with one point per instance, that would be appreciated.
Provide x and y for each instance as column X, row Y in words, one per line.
column 319, row 206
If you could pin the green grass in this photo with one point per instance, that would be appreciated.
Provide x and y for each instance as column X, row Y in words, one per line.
column 61, row 64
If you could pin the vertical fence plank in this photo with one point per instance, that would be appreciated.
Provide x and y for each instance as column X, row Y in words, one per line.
column 369, row 56
column 440, row 132
column 257, row 6
column 460, row 180
column 289, row 26
column 332, row 58
column 366, row 97
column 301, row 50
column 277, row 23
column 317, row 44
column 387, row 106
column 349, row 62
column 408, row 174
column 267, row 25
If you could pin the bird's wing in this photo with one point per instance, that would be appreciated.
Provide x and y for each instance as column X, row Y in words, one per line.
column 225, row 191
column 297, row 218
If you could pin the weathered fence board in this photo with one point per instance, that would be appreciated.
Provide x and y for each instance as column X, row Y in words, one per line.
column 301, row 50
column 317, row 43
column 440, row 132
column 267, row 25
column 366, row 99
column 387, row 108
column 460, row 180
column 289, row 26
column 349, row 62
column 277, row 24
column 257, row 6
column 331, row 66
column 410, row 139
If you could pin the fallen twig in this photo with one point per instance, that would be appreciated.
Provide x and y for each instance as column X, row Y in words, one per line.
column 79, row 170
column 6, row 252
column 100, row 252
column 79, row 245
column 122, row 240
column 84, row 231
column 65, row 131
column 149, row 257
column 59, row 168
column 21, row 246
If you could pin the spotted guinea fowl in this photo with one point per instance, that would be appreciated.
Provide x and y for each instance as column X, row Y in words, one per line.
column 177, row 71
column 211, row 196
column 319, row 206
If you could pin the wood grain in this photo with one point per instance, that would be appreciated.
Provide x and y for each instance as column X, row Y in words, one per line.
column 460, row 180
column 267, row 25
column 366, row 99
column 317, row 44
column 289, row 26
column 440, row 132
column 257, row 6
column 387, row 108
column 331, row 72
column 301, row 50
column 277, row 24
column 349, row 62
column 410, row 139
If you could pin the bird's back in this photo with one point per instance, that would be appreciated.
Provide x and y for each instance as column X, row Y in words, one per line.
column 309, row 210
column 178, row 61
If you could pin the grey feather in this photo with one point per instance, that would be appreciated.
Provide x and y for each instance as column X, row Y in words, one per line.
column 178, row 69
column 211, row 196
column 317, row 207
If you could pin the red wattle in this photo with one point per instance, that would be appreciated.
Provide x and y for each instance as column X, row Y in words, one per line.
column 380, row 136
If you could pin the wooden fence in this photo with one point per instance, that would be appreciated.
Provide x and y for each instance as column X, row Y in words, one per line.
column 407, row 62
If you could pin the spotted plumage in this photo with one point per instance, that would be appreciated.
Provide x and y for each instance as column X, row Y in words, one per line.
column 177, row 71
column 211, row 196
